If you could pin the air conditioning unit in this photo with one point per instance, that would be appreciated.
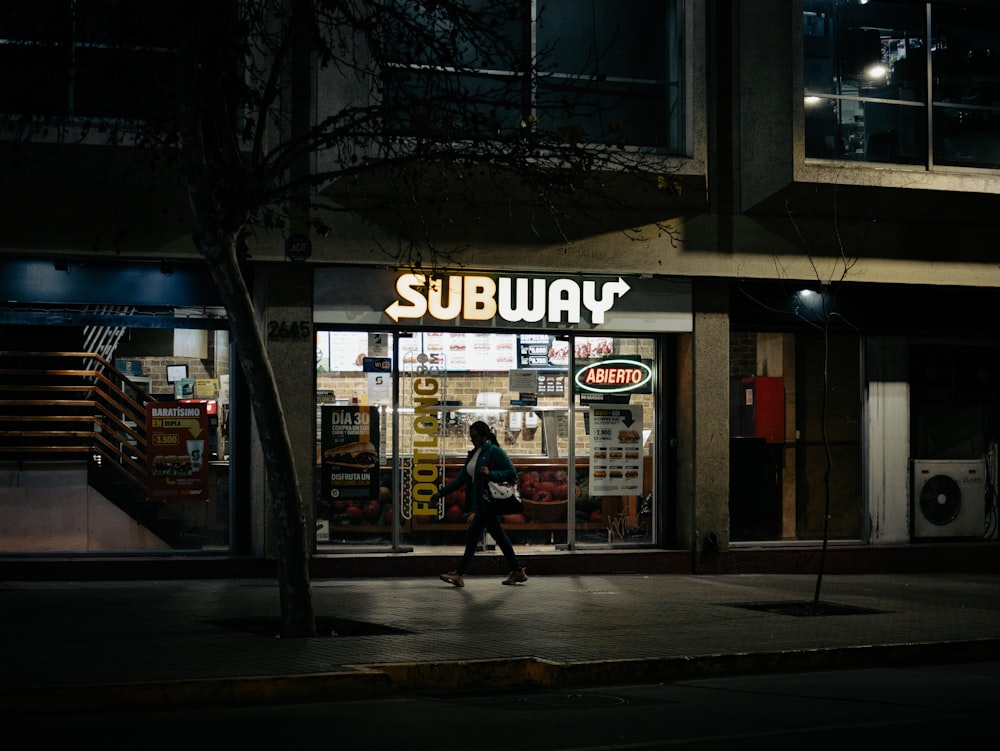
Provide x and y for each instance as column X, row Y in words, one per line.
column 949, row 498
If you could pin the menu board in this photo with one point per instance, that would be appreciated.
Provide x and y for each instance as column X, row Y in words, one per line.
column 456, row 351
column 593, row 347
column 616, row 450
column 542, row 351
column 340, row 351
column 344, row 351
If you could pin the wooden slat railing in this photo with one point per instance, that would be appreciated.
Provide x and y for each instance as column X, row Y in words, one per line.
column 71, row 410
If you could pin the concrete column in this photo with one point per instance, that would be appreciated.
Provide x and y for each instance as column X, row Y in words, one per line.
column 710, row 399
column 685, row 441
column 283, row 296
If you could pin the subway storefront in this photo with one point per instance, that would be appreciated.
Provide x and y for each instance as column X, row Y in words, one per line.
column 569, row 371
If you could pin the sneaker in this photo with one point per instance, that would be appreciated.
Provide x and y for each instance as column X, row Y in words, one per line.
column 515, row 577
column 453, row 577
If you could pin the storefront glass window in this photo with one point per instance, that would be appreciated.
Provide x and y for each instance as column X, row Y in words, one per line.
column 575, row 414
column 121, row 440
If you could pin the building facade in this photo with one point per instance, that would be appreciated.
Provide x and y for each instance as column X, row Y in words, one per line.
column 787, row 336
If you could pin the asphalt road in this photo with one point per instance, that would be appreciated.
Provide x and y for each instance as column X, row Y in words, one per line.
column 871, row 708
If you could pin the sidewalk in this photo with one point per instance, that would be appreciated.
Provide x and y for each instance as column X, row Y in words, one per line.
column 161, row 644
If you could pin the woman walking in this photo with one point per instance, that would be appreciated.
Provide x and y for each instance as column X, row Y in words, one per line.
column 486, row 461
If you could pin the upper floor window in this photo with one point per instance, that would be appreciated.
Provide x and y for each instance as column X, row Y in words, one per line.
column 88, row 59
column 593, row 71
column 902, row 82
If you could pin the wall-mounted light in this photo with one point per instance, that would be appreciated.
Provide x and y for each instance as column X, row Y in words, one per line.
column 61, row 264
column 166, row 268
column 810, row 304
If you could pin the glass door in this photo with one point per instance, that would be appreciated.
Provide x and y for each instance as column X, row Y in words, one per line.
column 614, row 380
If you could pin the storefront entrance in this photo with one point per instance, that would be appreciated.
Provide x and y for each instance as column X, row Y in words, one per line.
column 574, row 402
column 579, row 428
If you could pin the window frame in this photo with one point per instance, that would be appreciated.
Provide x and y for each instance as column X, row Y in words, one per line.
column 78, row 54
column 674, row 123
column 927, row 108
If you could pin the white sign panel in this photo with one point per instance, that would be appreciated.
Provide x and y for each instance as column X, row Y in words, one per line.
column 616, row 450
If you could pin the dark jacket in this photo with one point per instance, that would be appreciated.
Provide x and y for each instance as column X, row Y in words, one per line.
column 501, row 468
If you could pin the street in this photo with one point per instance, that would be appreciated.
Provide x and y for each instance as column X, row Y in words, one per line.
column 826, row 709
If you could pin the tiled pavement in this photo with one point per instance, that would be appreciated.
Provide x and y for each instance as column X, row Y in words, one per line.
column 155, row 644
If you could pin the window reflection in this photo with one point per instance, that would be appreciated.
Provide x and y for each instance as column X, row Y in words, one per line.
column 966, row 71
column 866, row 69
column 597, row 71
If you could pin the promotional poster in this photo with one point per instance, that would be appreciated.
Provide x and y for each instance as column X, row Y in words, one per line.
column 176, row 460
column 349, row 442
column 616, row 454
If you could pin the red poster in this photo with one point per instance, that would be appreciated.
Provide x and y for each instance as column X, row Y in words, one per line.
column 175, row 460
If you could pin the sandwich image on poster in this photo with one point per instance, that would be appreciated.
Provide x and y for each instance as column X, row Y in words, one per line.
column 175, row 459
column 355, row 455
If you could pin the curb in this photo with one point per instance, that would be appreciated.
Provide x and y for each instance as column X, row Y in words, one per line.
column 534, row 672
column 381, row 680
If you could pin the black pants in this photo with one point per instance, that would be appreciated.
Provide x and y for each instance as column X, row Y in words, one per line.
column 487, row 519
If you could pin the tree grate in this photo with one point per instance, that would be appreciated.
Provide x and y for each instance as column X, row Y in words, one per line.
column 806, row 609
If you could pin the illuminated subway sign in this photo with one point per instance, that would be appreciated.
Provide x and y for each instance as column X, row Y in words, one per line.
column 614, row 376
column 512, row 299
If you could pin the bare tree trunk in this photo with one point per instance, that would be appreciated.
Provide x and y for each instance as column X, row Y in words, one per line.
column 826, row 448
column 297, row 617
column 218, row 216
